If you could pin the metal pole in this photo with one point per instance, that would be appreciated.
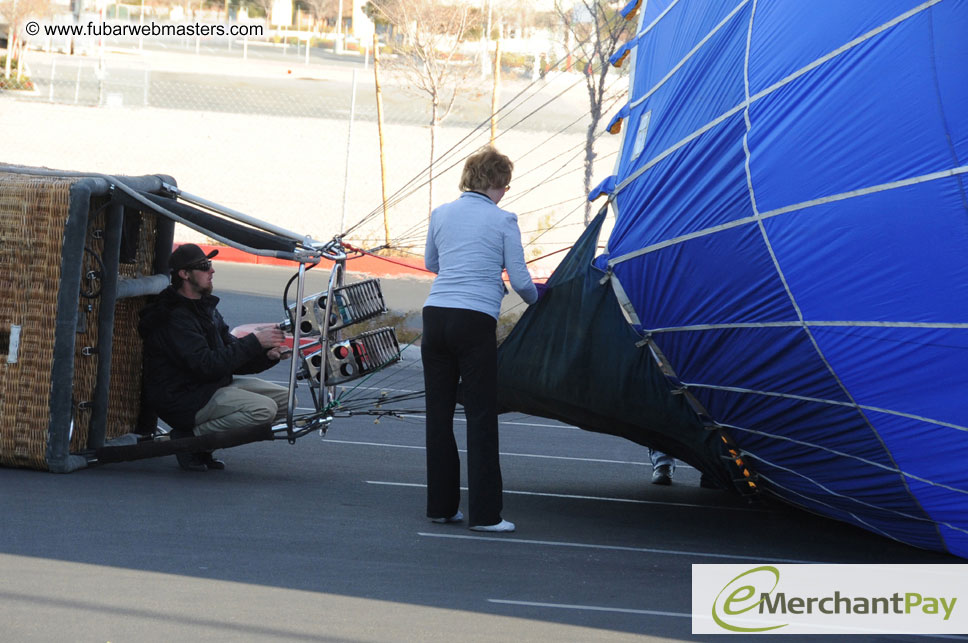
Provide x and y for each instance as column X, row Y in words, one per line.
column 328, row 393
column 297, row 347
column 77, row 84
column 97, row 426
column 349, row 145
column 53, row 72
column 496, row 89
column 338, row 45
column 379, row 129
column 485, row 40
column 241, row 216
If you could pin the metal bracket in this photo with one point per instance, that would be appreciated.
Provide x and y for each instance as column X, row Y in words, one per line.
column 170, row 189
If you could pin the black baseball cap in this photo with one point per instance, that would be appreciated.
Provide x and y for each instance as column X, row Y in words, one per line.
column 187, row 255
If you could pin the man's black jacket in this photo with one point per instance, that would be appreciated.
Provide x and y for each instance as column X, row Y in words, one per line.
column 189, row 354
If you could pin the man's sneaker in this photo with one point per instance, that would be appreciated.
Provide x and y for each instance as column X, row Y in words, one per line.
column 504, row 526
column 190, row 462
column 210, row 462
column 457, row 517
column 662, row 475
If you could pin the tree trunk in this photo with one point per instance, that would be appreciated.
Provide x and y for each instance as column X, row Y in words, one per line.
column 596, row 116
column 379, row 127
column 430, row 169
column 496, row 89
column 11, row 43
column 589, row 164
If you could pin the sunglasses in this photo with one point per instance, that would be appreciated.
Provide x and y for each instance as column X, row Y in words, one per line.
column 204, row 265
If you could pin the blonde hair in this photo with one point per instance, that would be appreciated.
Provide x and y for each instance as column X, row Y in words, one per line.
column 486, row 168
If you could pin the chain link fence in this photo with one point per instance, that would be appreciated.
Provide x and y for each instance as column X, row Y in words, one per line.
column 255, row 127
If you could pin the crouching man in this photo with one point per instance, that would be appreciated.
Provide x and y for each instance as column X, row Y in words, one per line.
column 192, row 361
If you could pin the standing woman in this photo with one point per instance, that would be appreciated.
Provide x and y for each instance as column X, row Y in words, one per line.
column 470, row 242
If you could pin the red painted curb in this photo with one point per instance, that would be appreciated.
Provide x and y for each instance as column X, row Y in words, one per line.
column 366, row 264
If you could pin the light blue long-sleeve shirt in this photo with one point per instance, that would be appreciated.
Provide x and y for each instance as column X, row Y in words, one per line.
column 469, row 243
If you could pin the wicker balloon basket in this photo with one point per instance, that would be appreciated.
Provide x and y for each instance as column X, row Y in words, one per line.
column 70, row 355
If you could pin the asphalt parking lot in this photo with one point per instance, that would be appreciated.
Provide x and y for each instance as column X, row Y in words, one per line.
column 326, row 539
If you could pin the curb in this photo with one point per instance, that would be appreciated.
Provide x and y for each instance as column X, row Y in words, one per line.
column 367, row 264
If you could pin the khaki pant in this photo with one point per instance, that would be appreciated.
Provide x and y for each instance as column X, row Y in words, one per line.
column 246, row 402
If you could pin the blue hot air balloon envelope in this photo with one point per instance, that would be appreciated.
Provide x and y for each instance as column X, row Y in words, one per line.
column 784, row 294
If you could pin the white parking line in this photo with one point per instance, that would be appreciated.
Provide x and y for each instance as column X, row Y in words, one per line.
column 503, row 453
column 642, row 550
column 623, row 610
column 593, row 608
column 456, row 419
column 579, row 497
column 537, row 424
column 358, row 388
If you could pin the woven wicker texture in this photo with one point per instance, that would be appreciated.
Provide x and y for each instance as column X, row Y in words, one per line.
column 124, row 403
column 33, row 211
column 124, row 394
column 85, row 366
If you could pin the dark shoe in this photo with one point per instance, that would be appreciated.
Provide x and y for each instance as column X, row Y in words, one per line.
column 210, row 462
column 662, row 475
column 457, row 517
column 190, row 462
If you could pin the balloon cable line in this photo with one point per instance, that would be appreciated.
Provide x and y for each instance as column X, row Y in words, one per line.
column 419, row 229
column 344, row 399
column 843, row 454
column 510, row 106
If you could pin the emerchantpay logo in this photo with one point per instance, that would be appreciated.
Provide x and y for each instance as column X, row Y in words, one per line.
column 829, row 599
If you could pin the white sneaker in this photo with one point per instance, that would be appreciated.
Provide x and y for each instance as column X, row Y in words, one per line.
column 457, row 517
column 504, row 526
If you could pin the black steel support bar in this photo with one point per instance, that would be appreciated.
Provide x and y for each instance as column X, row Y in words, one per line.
column 164, row 237
column 110, row 258
column 157, row 448
column 60, row 421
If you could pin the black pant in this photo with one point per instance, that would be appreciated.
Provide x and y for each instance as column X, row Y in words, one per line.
column 459, row 345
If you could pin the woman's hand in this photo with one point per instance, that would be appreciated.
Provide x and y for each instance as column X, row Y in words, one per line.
column 542, row 289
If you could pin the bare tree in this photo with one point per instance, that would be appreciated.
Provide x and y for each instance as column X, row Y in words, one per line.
column 596, row 30
column 433, row 32
column 322, row 10
column 16, row 13
column 266, row 7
